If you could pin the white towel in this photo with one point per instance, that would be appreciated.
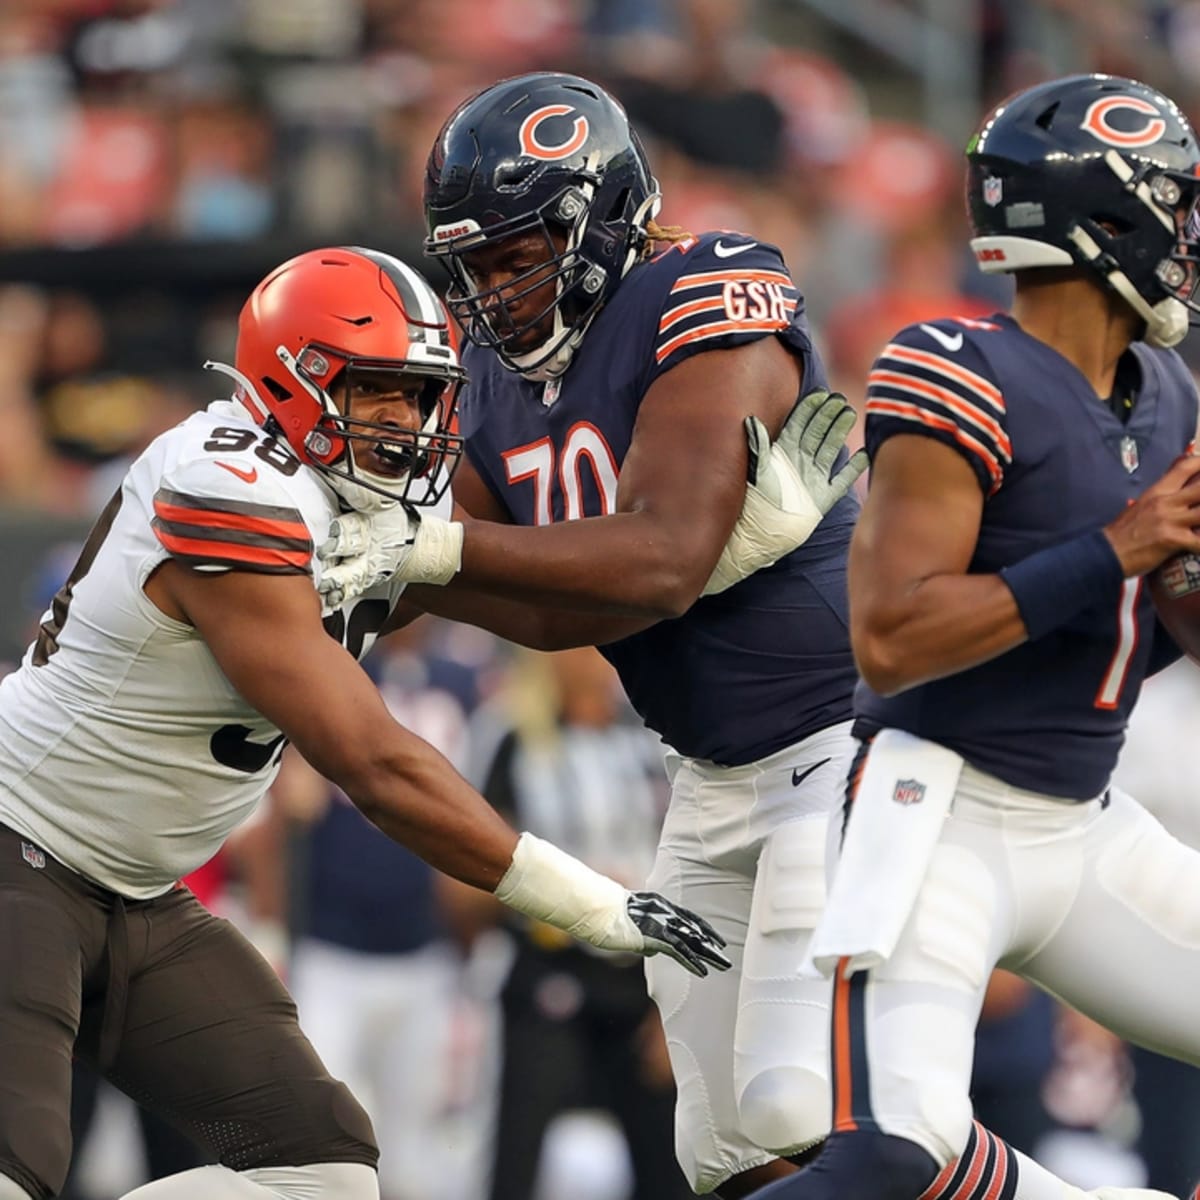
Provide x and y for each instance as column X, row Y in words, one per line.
column 896, row 819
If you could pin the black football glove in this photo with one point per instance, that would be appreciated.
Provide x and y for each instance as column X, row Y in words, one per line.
column 669, row 929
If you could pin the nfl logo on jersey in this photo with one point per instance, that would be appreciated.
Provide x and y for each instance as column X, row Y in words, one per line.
column 1129, row 454
column 993, row 190
column 33, row 856
column 908, row 791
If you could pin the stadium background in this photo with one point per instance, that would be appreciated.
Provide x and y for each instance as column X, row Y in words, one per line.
column 158, row 156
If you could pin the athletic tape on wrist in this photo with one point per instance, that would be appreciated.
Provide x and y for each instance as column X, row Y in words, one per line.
column 547, row 883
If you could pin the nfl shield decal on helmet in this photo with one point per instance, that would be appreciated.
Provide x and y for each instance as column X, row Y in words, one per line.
column 909, row 791
column 993, row 190
column 1129, row 454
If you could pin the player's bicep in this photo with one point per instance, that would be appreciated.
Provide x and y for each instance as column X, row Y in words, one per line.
column 921, row 519
column 266, row 635
column 687, row 462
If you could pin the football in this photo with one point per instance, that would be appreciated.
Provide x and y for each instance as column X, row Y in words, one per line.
column 1175, row 590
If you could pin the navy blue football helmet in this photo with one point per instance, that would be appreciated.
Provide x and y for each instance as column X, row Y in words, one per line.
column 1094, row 171
column 538, row 153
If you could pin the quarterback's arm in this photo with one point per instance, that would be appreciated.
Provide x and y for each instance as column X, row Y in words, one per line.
column 681, row 488
column 915, row 613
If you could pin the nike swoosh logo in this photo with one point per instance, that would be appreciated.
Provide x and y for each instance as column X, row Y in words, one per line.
column 799, row 776
column 950, row 341
column 245, row 476
column 723, row 251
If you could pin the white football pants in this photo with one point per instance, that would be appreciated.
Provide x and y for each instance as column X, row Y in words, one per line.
column 745, row 847
column 1095, row 902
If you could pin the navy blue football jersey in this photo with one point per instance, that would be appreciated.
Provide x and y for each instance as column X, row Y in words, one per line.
column 760, row 666
column 1053, row 461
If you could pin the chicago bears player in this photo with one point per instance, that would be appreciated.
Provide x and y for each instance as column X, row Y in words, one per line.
column 148, row 719
column 611, row 383
column 1027, row 471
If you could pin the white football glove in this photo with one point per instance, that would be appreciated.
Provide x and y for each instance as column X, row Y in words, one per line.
column 365, row 548
column 790, row 488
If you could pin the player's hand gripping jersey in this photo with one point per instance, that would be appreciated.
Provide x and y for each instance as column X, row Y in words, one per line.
column 1053, row 462
column 753, row 669
column 124, row 750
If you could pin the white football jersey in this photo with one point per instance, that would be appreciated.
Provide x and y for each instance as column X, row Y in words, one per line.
column 124, row 751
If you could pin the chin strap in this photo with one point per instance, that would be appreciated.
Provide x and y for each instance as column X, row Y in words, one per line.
column 1166, row 321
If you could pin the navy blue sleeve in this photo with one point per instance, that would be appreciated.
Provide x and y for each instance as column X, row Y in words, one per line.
column 932, row 380
column 718, row 291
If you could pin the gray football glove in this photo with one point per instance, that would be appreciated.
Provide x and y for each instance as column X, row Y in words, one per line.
column 790, row 485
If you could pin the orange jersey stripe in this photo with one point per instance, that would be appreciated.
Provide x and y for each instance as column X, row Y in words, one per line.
column 218, row 518
column 706, row 277
column 913, row 412
column 713, row 329
column 674, row 315
column 954, row 402
column 935, row 362
column 233, row 552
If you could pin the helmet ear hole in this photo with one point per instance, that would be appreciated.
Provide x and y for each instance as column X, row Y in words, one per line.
column 619, row 205
column 1046, row 118
column 276, row 388
column 1113, row 225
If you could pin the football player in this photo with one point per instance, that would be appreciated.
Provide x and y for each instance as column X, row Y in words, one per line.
column 613, row 365
column 1027, row 471
column 148, row 719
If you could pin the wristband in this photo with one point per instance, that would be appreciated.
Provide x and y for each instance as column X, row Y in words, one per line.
column 436, row 555
column 545, row 882
column 1052, row 585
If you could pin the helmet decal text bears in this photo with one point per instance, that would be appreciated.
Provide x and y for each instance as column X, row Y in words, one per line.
column 533, row 147
column 1096, row 122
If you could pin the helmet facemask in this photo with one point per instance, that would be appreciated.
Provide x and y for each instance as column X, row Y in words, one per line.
column 1154, row 271
column 412, row 466
column 579, row 286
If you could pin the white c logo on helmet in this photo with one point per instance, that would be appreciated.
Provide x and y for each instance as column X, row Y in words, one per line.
column 1095, row 121
column 534, row 148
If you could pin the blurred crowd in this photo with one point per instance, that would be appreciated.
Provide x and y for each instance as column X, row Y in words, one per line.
column 158, row 156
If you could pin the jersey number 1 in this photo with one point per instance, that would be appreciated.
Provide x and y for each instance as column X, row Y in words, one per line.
column 1111, row 687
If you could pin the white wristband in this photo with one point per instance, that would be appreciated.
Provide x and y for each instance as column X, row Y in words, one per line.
column 436, row 555
column 550, row 885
